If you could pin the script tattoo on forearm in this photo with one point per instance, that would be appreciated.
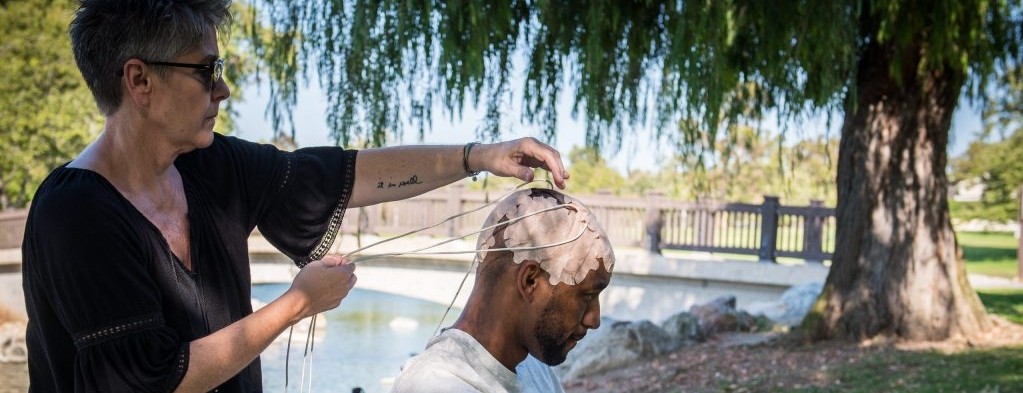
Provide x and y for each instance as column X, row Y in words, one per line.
column 410, row 182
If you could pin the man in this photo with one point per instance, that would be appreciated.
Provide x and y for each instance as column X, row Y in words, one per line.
column 529, row 306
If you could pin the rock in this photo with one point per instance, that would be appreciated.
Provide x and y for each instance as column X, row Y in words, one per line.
column 720, row 315
column 685, row 326
column 791, row 307
column 12, row 343
column 772, row 309
column 797, row 300
column 616, row 344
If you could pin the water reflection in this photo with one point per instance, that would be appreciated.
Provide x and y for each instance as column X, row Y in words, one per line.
column 363, row 343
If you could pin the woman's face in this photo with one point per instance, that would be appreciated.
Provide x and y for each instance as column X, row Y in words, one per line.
column 185, row 105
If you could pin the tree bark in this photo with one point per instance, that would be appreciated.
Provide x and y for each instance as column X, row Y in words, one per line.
column 897, row 270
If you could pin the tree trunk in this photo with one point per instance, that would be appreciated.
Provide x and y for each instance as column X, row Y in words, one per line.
column 897, row 271
column 1019, row 233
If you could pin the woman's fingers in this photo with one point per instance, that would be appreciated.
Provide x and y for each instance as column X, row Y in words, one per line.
column 517, row 158
column 324, row 283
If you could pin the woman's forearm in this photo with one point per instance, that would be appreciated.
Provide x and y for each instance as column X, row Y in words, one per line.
column 318, row 287
column 395, row 173
column 217, row 357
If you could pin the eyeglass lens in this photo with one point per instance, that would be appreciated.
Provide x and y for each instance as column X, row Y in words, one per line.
column 218, row 72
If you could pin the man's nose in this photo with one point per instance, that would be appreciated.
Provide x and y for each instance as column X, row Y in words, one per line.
column 591, row 319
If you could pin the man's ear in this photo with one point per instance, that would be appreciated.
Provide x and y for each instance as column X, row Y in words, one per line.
column 137, row 81
column 528, row 278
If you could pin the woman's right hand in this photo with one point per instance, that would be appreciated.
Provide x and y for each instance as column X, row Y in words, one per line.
column 318, row 287
column 321, row 284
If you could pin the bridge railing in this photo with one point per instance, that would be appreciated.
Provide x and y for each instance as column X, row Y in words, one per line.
column 12, row 227
column 768, row 230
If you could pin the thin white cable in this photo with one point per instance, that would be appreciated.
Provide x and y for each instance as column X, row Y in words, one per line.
column 453, row 298
column 484, row 229
column 312, row 347
column 447, row 219
column 308, row 336
column 473, row 263
column 312, row 328
column 287, row 355
column 464, row 277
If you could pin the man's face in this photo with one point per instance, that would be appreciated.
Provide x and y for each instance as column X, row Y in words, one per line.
column 569, row 313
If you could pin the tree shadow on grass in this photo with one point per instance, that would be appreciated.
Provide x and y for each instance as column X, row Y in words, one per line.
column 1006, row 303
column 982, row 370
column 988, row 254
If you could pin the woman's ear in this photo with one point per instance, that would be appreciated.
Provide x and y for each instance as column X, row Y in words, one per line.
column 529, row 278
column 137, row 81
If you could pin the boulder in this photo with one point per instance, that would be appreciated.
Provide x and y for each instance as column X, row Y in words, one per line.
column 12, row 343
column 616, row 344
column 797, row 300
column 720, row 315
column 685, row 326
column 791, row 307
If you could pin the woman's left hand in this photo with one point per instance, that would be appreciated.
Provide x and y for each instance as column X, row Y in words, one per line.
column 518, row 158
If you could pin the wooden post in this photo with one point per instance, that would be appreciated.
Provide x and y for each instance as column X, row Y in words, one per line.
column 812, row 236
column 768, row 229
column 703, row 228
column 653, row 223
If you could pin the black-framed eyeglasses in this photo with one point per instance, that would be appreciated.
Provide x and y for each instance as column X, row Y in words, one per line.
column 215, row 68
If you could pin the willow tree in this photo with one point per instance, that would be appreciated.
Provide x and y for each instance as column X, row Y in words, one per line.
column 696, row 69
column 46, row 112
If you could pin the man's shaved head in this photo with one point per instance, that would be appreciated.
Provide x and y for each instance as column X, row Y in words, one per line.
column 537, row 299
column 567, row 263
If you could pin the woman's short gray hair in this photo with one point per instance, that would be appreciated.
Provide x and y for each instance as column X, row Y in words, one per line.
column 106, row 33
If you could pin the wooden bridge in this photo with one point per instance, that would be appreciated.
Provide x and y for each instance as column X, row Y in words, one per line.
column 768, row 230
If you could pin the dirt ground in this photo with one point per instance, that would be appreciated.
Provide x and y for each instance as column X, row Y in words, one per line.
column 730, row 363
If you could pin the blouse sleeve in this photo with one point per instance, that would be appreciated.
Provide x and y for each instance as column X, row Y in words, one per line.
column 85, row 257
column 306, row 217
column 297, row 199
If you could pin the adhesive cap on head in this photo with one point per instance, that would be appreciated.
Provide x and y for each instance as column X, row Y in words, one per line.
column 567, row 263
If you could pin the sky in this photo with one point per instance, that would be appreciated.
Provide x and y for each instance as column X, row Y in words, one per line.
column 637, row 152
column 311, row 130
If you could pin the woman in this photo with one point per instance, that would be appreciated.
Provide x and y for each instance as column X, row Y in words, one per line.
column 135, row 255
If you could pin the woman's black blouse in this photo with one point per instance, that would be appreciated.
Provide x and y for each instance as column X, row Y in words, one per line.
column 111, row 309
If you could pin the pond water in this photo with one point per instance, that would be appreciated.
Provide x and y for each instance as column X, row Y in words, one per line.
column 363, row 343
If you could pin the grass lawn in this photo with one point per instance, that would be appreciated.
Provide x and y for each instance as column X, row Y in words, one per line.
column 987, row 371
column 990, row 253
column 997, row 370
column 984, row 370
column 1007, row 303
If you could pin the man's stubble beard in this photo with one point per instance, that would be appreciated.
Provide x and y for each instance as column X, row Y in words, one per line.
column 548, row 336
